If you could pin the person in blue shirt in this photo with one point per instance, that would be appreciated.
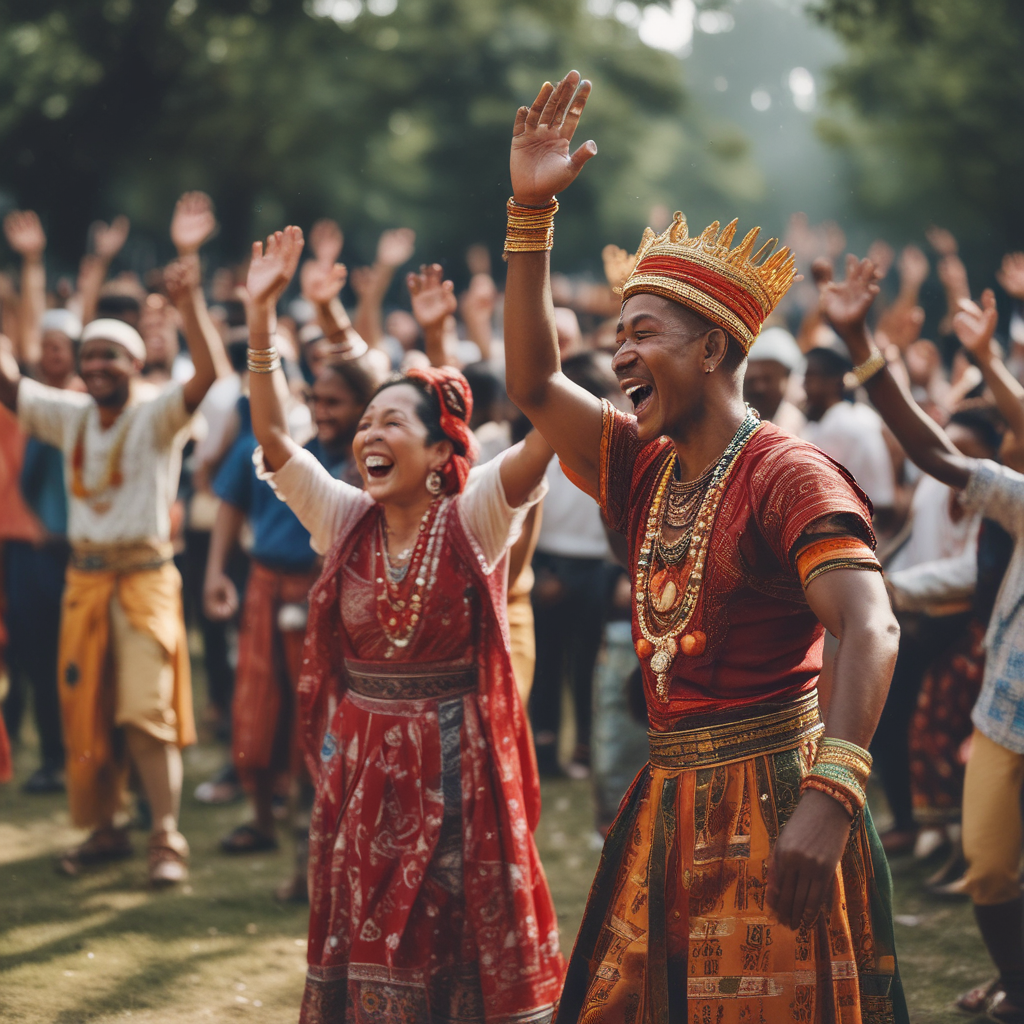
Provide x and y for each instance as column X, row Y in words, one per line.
column 283, row 569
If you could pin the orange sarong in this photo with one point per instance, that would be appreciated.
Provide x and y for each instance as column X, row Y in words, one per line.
column 676, row 929
column 151, row 598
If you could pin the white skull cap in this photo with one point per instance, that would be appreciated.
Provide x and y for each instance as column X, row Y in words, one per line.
column 118, row 332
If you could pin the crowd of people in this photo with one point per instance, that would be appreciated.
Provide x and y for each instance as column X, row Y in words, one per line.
column 712, row 507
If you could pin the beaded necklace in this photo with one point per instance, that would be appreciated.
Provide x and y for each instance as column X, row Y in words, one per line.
column 400, row 605
column 113, row 476
column 666, row 597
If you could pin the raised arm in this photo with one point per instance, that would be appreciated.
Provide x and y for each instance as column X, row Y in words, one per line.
column 25, row 236
column 270, row 270
column 974, row 326
column 192, row 224
column 542, row 166
column 433, row 301
column 845, row 305
column 321, row 283
column 107, row 240
column 394, row 248
column 477, row 305
column 10, row 375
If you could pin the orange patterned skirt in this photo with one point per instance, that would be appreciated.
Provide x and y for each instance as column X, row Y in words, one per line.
column 676, row 927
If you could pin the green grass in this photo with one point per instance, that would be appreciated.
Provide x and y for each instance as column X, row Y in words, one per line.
column 103, row 948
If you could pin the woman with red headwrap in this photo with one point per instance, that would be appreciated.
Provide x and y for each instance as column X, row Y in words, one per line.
column 427, row 898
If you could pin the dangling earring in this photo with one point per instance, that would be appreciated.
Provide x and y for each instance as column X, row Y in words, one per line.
column 435, row 482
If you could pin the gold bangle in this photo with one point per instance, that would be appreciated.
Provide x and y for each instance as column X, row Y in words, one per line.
column 530, row 229
column 865, row 371
column 262, row 360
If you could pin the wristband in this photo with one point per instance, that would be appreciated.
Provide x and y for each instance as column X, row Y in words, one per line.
column 262, row 360
column 865, row 371
column 529, row 229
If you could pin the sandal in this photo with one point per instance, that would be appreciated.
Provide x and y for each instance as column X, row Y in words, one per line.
column 1000, row 1008
column 976, row 1000
column 102, row 847
column 247, row 839
column 168, row 859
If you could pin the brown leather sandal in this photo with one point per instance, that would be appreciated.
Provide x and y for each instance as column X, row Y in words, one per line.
column 168, row 859
column 102, row 847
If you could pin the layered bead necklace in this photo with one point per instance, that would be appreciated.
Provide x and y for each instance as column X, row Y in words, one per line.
column 668, row 576
column 399, row 602
column 113, row 476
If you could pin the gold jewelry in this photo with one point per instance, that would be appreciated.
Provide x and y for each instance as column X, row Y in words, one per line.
column 262, row 360
column 529, row 229
column 664, row 616
column 862, row 374
column 841, row 770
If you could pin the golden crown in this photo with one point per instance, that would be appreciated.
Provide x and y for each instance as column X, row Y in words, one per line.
column 734, row 288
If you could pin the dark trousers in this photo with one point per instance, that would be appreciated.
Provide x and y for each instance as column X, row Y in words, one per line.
column 570, row 605
column 34, row 585
column 922, row 640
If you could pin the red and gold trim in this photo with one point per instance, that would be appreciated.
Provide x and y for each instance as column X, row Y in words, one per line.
column 823, row 556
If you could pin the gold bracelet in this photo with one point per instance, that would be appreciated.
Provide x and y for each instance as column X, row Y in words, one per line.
column 262, row 360
column 530, row 229
column 865, row 371
column 844, row 762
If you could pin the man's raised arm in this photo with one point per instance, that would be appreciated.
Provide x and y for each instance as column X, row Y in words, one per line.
column 541, row 165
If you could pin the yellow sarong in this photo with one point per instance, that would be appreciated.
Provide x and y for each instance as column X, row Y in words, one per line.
column 151, row 599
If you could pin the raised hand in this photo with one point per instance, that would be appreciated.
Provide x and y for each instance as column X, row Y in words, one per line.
column 618, row 265
column 396, row 247
column 271, row 269
column 108, row 239
column 953, row 275
column 942, row 241
column 25, row 234
column 193, row 222
column 975, row 325
column 882, row 254
column 326, row 240
column 321, row 282
column 845, row 304
column 541, row 163
column 182, row 277
column 479, row 300
column 1011, row 274
column 913, row 267
column 433, row 298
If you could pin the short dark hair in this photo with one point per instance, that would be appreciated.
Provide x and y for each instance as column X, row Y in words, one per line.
column 984, row 422
column 828, row 362
column 117, row 305
column 485, row 382
column 355, row 376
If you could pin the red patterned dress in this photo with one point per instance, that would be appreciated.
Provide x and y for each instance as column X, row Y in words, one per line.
column 428, row 902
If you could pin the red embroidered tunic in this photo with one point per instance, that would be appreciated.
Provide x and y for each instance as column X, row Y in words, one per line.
column 763, row 641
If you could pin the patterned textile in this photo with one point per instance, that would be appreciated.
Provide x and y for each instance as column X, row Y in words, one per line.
column 997, row 492
column 676, row 927
column 264, row 726
column 834, row 553
column 941, row 723
column 428, row 903
column 763, row 641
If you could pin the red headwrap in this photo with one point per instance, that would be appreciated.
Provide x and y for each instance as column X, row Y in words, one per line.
column 456, row 401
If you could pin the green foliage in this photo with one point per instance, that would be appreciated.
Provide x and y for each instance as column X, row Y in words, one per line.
column 282, row 112
column 929, row 103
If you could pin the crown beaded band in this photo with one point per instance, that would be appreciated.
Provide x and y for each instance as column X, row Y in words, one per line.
column 530, row 229
column 865, row 371
column 262, row 360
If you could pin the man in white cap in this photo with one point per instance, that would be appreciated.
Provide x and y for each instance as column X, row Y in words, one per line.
column 774, row 358
column 123, row 662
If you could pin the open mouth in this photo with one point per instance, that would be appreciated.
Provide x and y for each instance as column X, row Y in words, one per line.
column 639, row 395
column 378, row 466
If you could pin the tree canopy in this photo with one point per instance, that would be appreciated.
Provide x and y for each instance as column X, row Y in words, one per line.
column 377, row 114
column 929, row 103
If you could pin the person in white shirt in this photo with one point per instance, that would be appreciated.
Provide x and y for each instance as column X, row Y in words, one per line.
column 123, row 665
column 849, row 432
column 773, row 359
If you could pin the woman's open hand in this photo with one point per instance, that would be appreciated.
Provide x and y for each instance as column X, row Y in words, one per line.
column 272, row 267
column 845, row 304
column 321, row 282
column 975, row 325
column 433, row 298
column 541, row 163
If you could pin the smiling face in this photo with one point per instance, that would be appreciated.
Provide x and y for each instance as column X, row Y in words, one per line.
column 336, row 410
column 393, row 448
column 107, row 370
column 660, row 363
column 57, row 357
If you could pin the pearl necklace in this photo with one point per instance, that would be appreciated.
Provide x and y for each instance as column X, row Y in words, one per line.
column 662, row 614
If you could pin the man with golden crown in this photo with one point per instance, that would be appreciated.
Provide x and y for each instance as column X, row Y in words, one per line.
column 743, row 879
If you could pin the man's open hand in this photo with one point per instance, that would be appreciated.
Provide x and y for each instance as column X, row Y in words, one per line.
column 25, row 234
column 541, row 163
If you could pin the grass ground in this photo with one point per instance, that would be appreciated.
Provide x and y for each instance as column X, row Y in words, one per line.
column 103, row 948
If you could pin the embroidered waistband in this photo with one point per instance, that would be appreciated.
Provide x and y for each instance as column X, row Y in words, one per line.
column 758, row 731
column 120, row 558
column 414, row 681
